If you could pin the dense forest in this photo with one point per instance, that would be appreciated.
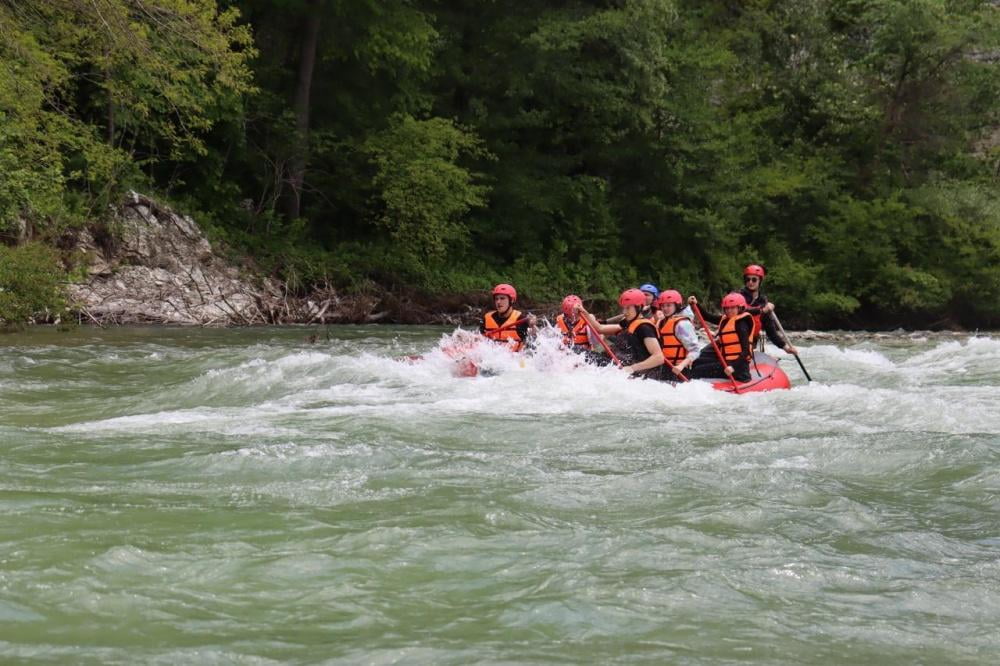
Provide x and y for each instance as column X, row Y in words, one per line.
column 852, row 146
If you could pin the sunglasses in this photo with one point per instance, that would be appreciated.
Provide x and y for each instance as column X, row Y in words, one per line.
column 751, row 278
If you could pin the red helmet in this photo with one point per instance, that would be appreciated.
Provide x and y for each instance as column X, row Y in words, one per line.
column 669, row 296
column 505, row 290
column 734, row 300
column 632, row 297
column 755, row 269
column 569, row 303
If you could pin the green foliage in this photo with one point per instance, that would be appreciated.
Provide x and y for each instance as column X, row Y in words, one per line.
column 570, row 145
column 423, row 190
column 90, row 93
column 30, row 283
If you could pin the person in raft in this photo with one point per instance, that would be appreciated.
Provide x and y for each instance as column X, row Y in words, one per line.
column 650, row 293
column 637, row 336
column 574, row 329
column 760, row 308
column 733, row 337
column 504, row 323
column 677, row 335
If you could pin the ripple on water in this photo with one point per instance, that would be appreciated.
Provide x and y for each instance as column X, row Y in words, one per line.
column 235, row 496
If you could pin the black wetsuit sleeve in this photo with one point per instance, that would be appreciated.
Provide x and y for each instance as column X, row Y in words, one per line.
column 482, row 326
column 744, row 329
column 766, row 320
column 710, row 318
column 771, row 329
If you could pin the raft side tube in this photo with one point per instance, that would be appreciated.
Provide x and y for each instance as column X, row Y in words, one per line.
column 765, row 375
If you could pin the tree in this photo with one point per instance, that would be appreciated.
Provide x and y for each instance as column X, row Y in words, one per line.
column 165, row 74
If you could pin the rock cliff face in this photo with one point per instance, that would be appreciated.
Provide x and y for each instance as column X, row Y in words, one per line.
column 154, row 266
column 158, row 267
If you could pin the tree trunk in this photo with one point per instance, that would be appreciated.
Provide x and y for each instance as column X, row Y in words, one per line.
column 111, row 120
column 111, row 99
column 300, row 148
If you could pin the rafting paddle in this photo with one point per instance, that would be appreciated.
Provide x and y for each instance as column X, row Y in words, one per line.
column 600, row 339
column 677, row 374
column 785, row 335
column 718, row 352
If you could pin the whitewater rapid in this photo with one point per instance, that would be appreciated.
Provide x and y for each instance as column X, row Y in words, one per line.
column 247, row 496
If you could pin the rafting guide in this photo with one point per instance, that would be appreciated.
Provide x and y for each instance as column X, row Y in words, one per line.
column 758, row 306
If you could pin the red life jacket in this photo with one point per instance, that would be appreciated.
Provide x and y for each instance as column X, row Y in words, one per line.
column 495, row 331
column 575, row 335
column 729, row 339
column 755, row 332
column 673, row 349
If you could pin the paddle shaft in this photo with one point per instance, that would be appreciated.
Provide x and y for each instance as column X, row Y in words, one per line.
column 672, row 366
column 600, row 339
column 785, row 335
column 718, row 352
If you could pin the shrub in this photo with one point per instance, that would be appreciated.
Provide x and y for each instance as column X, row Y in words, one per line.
column 31, row 279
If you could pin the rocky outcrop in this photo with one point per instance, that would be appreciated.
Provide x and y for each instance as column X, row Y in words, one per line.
column 151, row 265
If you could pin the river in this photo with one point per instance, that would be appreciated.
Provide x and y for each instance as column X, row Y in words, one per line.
column 244, row 496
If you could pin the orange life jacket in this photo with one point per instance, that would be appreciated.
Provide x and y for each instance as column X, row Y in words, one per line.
column 729, row 339
column 577, row 335
column 495, row 331
column 673, row 349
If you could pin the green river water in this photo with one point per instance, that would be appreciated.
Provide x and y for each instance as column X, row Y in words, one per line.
column 175, row 496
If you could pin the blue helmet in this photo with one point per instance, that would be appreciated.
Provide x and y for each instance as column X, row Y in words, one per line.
column 650, row 289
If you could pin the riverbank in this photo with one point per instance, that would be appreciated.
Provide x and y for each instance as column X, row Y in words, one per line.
column 152, row 265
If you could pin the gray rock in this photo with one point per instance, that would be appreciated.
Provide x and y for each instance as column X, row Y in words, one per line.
column 163, row 271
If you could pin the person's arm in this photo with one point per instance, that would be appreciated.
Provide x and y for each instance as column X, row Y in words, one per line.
column 708, row 318
column 771, row 329
column 655, row 359
column 604, row 329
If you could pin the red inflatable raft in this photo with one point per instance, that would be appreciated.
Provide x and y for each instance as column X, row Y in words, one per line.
column 765, row 375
